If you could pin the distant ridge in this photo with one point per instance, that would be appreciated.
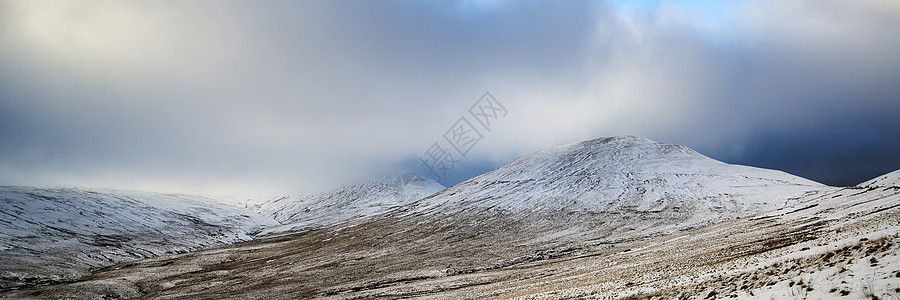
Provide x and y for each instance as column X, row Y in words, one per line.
column 349, row 201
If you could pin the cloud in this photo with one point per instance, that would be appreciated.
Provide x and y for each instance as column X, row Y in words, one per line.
column 197, row 96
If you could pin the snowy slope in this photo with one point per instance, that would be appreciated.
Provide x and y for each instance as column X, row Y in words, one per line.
column 891, row 179
column 842, row 244
column 57, row 234
column 839, row 244
column 349, row 201
column 590, row 213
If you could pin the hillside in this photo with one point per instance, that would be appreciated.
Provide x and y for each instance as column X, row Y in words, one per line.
column 841, row 243
column 50, row 235
column 584, row 200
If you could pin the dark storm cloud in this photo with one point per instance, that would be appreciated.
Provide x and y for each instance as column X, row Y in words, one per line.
column 220, row 95
column 844, row 152
column 813, row 97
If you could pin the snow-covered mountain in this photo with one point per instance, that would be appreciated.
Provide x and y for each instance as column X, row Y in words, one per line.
column 616, row 185
column 349, row 201
column 60, row 234
column 594, row 203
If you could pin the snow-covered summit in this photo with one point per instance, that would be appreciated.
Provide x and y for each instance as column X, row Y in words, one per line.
column 348, row 201
column 628, row 174
column 891, row 179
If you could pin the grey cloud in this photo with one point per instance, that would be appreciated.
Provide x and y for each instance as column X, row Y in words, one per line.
column 207, row 96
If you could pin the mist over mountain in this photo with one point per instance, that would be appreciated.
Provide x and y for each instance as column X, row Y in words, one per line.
column 348, row 201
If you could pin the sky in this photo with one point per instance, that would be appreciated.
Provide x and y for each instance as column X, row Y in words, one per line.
column 219, row 97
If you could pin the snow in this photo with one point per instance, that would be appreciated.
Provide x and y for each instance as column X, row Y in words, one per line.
column 54, row 234
column 842, row 243
column 50, row 235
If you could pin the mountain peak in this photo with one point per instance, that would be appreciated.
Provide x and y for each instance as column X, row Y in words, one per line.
column 624, row 176
column 621, row 138
column 609, row 156
column 630, row 143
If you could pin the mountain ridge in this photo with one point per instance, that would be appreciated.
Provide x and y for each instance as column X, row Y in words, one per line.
column 353, row 200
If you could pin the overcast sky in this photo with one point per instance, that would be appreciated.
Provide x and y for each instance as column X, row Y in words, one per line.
column 229, row 96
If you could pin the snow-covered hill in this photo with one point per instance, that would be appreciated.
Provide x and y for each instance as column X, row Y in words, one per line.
column 60, row 234
column 346, row 202
column 891, row 179
column 616, row 185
